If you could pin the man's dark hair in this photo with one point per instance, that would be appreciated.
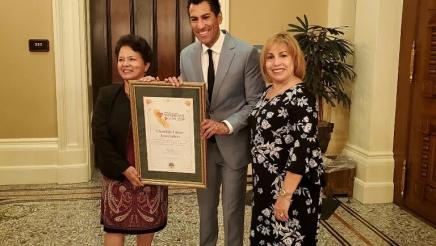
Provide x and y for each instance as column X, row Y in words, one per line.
column 215, row 5
column 136, row 43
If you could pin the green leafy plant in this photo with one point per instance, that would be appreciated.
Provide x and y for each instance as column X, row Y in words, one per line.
column 325, row 52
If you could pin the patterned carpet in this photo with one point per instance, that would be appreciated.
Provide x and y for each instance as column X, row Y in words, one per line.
column 69, row 215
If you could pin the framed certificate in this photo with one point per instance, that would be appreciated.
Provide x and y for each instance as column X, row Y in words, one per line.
column 166, row 132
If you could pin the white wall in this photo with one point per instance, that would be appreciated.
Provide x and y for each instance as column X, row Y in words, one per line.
column 65, row 158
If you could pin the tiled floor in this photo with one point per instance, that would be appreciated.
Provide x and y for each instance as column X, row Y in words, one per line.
column 69, row 215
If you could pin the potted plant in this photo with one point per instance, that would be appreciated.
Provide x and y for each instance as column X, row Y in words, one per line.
column 327, row 71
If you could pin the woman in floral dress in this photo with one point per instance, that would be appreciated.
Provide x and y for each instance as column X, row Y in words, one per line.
column 286, row 158
column 127, row 205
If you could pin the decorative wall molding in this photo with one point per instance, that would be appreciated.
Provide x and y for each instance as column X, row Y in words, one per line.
column 374, row 174
column 28, row 151
column 371, row 166
column 36, row 161
column 373, row 192
column 368, row 154
column 70, row 46
column 7, row 143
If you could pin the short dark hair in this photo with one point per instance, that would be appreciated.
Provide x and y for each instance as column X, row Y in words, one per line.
column 136, row 43
column 215, row 5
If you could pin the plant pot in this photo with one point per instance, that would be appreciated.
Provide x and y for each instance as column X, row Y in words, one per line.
column 325, row 130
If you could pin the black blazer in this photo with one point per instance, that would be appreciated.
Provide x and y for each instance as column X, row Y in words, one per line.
column 110, row 128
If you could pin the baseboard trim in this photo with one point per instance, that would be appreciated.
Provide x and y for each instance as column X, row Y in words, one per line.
column 43, row 174
column 39, row 161
column 28, row 151
column 365, row 192
column 374, row 174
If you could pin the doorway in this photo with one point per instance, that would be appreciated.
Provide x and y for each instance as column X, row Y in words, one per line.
column 164, row 24
column 415, row 123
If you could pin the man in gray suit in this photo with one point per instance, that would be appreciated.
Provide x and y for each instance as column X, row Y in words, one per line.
column 231, row 69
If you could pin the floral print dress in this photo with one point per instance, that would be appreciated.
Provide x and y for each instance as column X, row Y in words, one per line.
column 283, row 139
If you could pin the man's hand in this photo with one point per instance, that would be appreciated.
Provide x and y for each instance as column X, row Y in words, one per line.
column 132, row 175
column 175, row 81
column 210, row 127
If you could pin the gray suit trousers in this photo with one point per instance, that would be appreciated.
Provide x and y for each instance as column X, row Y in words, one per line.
column 233, row 182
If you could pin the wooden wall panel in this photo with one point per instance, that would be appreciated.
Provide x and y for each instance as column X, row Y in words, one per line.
column 100, row 63
column 163, row 23
column 119, row 12
column 166, row 38
column 144, row 26
column 184, row 31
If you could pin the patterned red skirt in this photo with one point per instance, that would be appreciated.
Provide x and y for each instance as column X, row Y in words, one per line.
column 127, row 210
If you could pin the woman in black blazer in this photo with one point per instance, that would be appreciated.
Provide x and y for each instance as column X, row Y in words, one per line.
column 127, row 205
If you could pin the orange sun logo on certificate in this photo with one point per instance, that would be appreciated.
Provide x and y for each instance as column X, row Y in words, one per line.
column 161, row 118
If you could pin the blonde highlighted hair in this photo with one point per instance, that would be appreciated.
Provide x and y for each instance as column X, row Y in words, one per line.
column 294, row 51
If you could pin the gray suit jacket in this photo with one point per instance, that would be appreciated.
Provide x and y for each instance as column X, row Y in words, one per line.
column 238, row 85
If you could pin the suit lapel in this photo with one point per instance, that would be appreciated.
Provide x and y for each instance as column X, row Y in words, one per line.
column 196, row 63
column 226, row 58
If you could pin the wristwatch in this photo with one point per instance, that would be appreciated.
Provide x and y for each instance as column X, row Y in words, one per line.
column 285, row 195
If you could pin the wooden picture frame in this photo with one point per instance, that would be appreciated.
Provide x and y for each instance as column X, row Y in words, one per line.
column 166, row 124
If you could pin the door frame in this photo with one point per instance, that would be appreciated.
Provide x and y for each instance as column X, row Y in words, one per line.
column 404, row 98
column 225, row 10
column 77, row 67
